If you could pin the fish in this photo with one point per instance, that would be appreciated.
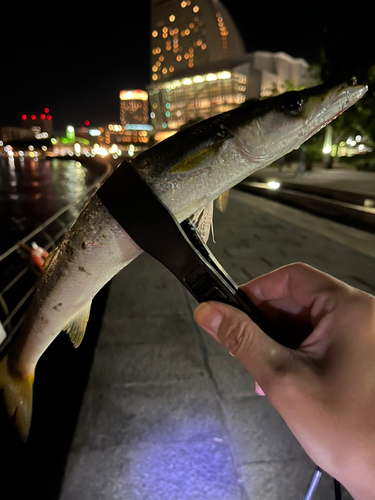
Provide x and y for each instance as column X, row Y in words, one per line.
column 187, row 171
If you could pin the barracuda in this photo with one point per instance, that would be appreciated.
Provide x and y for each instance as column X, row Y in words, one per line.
column 187, row 171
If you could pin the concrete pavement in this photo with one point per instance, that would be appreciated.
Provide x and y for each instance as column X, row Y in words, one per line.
column 168, row 414
column 345, row 179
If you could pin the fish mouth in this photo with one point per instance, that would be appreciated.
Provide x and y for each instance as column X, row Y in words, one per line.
column 344, row 96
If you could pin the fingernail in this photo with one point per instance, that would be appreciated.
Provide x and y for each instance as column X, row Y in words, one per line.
column 209, row 318
column 258, row 390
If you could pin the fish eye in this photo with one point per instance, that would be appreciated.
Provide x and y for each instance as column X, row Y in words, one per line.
column 293, row 105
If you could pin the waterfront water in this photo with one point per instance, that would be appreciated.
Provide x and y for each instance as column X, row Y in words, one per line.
column 32, row 190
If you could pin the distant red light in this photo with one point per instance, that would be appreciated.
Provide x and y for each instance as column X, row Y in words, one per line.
column 33, row 117
column 24, row 117
column 46, row 110
column 43, row 117
column 87, row 123
column 49, row 117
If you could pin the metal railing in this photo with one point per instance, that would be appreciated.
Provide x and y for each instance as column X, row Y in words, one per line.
column 19, row 277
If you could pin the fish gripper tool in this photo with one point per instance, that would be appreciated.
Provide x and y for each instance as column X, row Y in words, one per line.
column 177, row 246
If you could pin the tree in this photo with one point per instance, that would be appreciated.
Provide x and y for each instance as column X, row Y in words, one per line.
column 347, row 51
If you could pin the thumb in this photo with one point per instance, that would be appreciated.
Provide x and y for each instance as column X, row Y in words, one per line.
column 264, row 358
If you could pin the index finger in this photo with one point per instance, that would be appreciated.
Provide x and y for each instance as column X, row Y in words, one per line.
column 300, row 282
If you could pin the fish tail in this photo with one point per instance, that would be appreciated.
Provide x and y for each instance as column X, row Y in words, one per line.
column 18, row 396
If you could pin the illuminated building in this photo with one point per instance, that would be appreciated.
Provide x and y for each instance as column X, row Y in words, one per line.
column 199, row 67
column 189, row 33
column 38, row 123
column 176, row 102
column 133, row 107
column 131, row 135
column 269, row 72
column 33, row 126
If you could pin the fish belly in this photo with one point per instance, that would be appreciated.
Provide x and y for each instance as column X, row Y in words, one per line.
column 94, row 250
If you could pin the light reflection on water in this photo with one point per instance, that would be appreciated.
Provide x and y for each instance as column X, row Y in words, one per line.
column 70, row 177
column 32, row 190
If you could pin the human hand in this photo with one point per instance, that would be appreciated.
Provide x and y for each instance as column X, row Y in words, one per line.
column 324, row 390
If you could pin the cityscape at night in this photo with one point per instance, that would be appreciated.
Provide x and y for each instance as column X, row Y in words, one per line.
column 155, row 155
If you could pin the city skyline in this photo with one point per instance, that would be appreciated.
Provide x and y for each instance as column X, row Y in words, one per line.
column 76, row 67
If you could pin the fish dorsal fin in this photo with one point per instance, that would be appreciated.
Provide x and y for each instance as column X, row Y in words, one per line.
column 195, row 159
column 202, row 221
column 222, row 201
column 76, row 326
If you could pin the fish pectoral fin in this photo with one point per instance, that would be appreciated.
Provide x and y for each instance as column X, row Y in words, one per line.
column 195, row 159
column 18, row 397
column 222, row 201
column 202, row 221
column 48, row 259
column 76, row 326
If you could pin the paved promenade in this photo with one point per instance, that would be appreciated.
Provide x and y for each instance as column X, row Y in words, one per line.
column 168, row 414
column 346, row 179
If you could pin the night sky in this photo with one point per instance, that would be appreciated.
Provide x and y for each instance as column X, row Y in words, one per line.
column 75, row 61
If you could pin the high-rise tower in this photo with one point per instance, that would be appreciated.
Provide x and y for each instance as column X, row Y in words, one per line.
column 199, row 67
column 189, row 33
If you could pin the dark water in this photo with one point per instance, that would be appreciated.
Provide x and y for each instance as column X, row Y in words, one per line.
column 33, row 190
